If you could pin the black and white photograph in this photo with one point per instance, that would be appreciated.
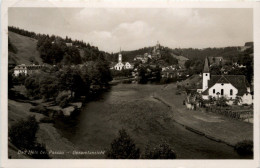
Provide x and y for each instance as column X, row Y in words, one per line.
column 130, row 83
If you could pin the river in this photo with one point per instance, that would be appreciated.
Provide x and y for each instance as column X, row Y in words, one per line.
column 147, row 120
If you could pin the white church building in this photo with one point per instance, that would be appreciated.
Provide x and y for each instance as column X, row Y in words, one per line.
column 228, row 86
column 122, row 65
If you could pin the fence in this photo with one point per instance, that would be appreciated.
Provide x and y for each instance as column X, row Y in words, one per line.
column 229, row 112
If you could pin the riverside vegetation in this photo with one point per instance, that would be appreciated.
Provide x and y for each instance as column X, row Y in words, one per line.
column 72, row 73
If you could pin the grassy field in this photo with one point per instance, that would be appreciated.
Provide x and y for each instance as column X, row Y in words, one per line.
column 26, row 49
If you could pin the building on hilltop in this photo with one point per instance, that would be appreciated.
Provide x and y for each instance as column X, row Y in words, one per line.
column 156, row 51
column 228, row 86
column 26, row 69
column 122, row 65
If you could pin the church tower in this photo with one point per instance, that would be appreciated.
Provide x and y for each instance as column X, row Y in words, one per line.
column 120, row 57
column 206, row 74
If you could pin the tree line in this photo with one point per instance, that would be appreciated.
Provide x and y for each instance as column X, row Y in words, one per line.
column 86, row 80
column 53, row 49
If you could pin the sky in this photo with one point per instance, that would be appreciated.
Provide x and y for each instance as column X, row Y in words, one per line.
column 132, row 28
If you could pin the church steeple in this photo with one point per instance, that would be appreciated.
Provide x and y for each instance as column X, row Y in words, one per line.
column 120, row 56
column 206, row 74
column 206, row 65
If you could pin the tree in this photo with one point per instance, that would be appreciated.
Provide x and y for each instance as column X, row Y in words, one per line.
column 142, row 75
column 10, row 80
column 244, row 147
column 22, row 134
column 71, row 81
column 32, row 85
column 162, row 151
column 123, row 147
column 49, row 86
column 188, row 64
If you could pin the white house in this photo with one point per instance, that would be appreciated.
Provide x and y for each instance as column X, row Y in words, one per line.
column 26, row 69
column 20, row 69
column 229, row 86
column 121, row 65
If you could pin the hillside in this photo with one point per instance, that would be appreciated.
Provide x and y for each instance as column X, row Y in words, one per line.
column 181, row 59
column 25, row 50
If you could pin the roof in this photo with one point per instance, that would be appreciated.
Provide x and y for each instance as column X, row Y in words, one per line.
column 206, row 65
column 238, row 81
column 216, row 60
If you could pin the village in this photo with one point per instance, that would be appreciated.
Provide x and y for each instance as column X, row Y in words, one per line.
column 209, row 98
column 209, row 90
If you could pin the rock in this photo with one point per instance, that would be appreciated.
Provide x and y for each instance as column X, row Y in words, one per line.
column 78, row 105
column 68, row 110
column 55, row 108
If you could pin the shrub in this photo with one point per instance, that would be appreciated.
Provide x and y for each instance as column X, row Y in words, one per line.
column 244, row 147
column 164, row 81
column 22, row 134
column 41, row 152
column 123, row 147
column 46, row 120
column 162, row 151
column 63, row 99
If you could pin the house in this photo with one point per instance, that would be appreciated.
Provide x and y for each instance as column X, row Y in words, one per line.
column 69, row 44
column 216, row 61
column 26, row 69
column 121, row 65
column 141, row 58
column 228, row 86
column 169, row 71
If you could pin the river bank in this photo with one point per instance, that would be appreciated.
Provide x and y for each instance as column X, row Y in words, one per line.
column 149, row 113
column 147, row 120
column 213, row 126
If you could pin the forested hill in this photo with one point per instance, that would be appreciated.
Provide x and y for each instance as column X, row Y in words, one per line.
column 28, row 47
column 190, row 53
column 225, row 52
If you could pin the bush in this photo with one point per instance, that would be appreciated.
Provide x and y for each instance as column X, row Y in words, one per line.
column 123, row 147
column 46, row 120
column 22, row 134
column 41, row 152
column 244, row 147
column 162, row 151
column 40, row 109
column 164, row 81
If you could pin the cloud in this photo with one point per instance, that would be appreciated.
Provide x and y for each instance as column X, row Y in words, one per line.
column 133, row 28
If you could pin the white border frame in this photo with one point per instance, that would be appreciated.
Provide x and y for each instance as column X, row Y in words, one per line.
column 31, row 163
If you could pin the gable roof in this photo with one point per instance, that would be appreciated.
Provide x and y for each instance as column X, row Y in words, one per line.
column 238, row 81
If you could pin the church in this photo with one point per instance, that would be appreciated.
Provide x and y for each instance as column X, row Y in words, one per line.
column 228, row 86
column 121, row 65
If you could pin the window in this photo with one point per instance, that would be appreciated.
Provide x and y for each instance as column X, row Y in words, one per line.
column 231, row 92
column 222, row 91
column 214, row 91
